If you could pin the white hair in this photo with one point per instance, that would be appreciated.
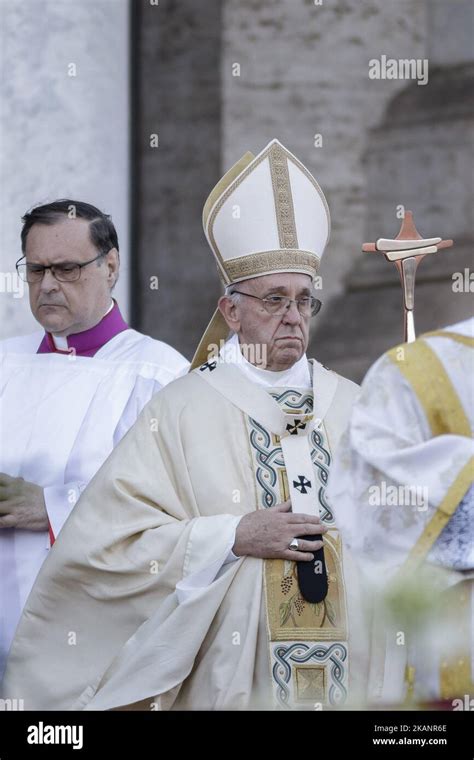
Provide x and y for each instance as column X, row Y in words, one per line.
column 236, row 297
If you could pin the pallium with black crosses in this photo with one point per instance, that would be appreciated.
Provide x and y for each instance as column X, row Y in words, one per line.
column 307, row 642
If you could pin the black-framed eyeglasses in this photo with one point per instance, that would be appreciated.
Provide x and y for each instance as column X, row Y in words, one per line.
column 69, row 271
column 277, row 305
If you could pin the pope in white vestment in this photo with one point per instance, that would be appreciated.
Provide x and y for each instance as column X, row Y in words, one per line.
column 403, row 493
column 65, row 403
column 143, row 604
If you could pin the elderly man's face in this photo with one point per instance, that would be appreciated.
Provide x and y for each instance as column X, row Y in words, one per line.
column 64, row 308
column 285, row 337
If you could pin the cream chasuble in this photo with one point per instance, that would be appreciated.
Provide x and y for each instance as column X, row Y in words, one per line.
column 107, row 626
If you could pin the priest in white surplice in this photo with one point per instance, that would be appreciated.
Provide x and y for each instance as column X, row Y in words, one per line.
column 68, row 393
column 176, row 582
column 404, row 496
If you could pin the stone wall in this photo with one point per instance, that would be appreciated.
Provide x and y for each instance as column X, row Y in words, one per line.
column 419, row 157
column 386, row 142
column 304, row 71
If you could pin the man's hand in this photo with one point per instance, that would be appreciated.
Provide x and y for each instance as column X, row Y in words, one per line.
column 22, row 504
column 267, row 533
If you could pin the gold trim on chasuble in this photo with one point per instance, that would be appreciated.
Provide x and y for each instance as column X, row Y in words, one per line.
column 455, row 671
column 445, row 414
column 307, row 642
column 466, row 340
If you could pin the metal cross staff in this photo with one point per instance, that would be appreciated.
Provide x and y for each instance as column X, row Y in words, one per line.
column 406, row 251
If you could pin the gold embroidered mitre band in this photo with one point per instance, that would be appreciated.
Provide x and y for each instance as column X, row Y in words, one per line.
column 266, row 215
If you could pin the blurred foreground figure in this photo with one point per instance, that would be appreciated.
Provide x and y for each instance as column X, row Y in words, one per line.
column 403, row 496
column 182, row 579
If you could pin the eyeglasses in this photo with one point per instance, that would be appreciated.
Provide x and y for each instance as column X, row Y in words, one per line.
column 276, row 305
column 67, row 272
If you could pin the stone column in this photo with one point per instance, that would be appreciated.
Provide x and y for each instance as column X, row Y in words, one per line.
column 176, row 160
column 64, row 124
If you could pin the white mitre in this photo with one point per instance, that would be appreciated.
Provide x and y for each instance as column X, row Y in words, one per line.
column 266, row 215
